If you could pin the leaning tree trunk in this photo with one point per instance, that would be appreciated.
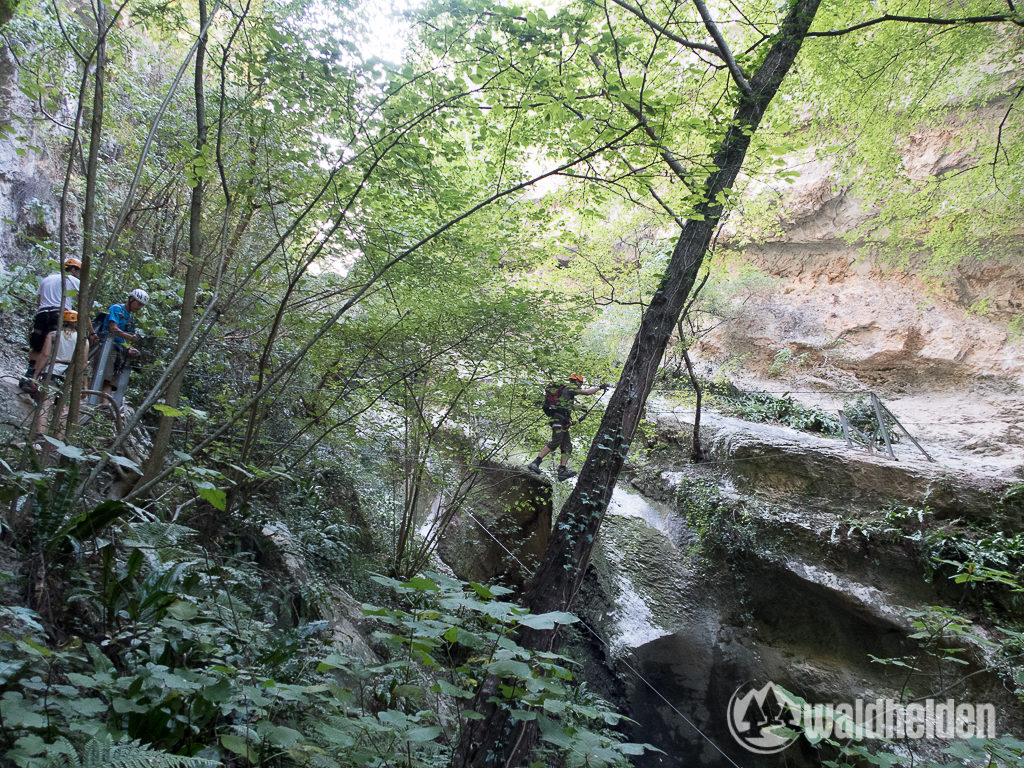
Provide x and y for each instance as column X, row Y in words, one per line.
column 88, row 220
column 194, row 271
column 499, row 739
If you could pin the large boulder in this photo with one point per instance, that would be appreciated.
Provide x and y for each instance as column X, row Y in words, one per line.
column 781, row 560
column 503, row 529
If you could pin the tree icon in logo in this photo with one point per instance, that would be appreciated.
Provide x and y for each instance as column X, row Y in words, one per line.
column 762, row 719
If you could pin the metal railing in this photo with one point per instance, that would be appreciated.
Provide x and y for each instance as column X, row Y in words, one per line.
column 880, row 430
column 103, row 357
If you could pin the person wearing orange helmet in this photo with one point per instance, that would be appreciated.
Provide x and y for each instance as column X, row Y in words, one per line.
column 60, row 347
column 558, row 402
column 55, row 294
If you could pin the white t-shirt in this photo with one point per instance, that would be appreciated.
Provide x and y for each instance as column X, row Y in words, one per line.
column 49, row 291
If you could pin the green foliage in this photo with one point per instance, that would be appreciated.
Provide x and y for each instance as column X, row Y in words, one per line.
column 7, row 9
column 102, row 752
column 17, row 287
column 1015, row 329
column 766, row 407
column 721, row 527
column 860, row 414
column 701, row 503
column 896, row 522
column 876, row 130
column 784, row 361
column 942, row 638
column 90, row 524
column 466, row 633
column 196, row 668
column 989, row 562
column 359, row 310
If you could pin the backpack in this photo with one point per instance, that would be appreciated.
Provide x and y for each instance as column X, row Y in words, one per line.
column 99, row 324
column 552, row 399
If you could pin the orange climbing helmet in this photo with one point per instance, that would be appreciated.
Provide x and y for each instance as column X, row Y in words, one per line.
column 575, row 378
column 70, row 316
column 71, row 261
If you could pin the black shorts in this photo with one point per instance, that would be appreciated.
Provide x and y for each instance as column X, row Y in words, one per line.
column 116, row 364
column 43, row 323
column 560, row 436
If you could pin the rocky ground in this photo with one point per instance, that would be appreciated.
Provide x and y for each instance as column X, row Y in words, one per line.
column 976, row 425
column 15, row 406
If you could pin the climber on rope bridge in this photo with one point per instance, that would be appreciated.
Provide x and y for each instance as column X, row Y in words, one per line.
column 558, row 407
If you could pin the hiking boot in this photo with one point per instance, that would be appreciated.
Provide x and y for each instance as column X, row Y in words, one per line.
column 28, row 385
column 534, row 466
column 564, row 473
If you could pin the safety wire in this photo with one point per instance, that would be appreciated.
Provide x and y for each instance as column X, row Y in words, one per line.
column 624, row 663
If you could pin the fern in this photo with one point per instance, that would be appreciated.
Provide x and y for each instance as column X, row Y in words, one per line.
column 55, row 500
column 156, row 534
column 103, row 752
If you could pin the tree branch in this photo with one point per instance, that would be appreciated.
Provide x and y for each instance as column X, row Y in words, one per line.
column 725, row 53
column 662, row 30
column 999, row 135
column 919, row 20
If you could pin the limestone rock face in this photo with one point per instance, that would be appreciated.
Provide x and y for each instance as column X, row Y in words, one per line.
column 29, row 175
column 853, row 315
column 514, row 506
column 875, row 325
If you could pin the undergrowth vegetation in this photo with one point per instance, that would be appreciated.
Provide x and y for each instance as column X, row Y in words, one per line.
column 771, row 408
column 175, row 648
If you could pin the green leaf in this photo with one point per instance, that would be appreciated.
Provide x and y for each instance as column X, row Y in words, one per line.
column 123, row 461
column 632, row 748
column 482, row 590
column 510, row 668
column 422, row 585
column 408, row 691
column 334, row 661
column 30, row 745
column 214, row 495
column 239, row 746
column 554, row 706
column 91, row 522
column 446, row 688
column 64, row 449
column 424, row 733
column 547, row 620
column 168, row 410
column 15, row 713
column 183, row 610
